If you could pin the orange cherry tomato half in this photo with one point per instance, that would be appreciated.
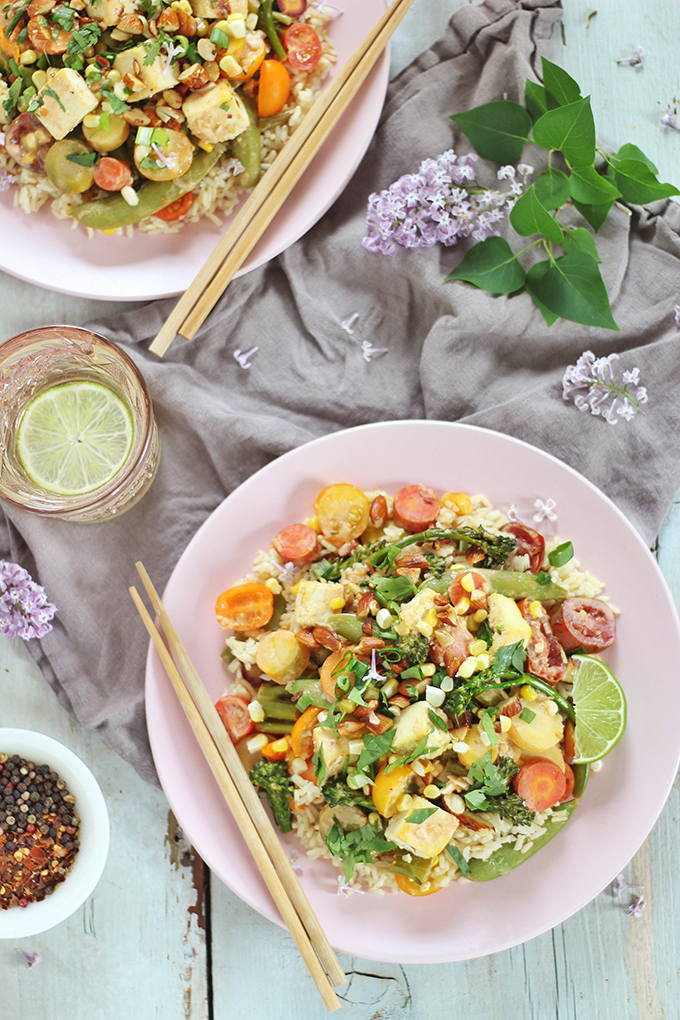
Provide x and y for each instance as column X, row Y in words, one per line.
column 234, row 714
column 407, row 885
column 273, row 89
column 301, row 735
column 303, row 46
column 112, row 174
column 245, row 607
column 177, row 209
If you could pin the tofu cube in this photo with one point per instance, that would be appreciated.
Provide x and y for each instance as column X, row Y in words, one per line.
column 66, row 99
column 219, row 9
column 156, row 76
column 420, row 610
column 424, row 838
column 313, row 602
column 109, row 12
column 215, row 113
column 413, row 724
column 506, row 622
column 335, row 748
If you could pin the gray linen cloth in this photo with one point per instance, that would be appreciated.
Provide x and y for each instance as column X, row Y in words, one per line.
column 453, row 353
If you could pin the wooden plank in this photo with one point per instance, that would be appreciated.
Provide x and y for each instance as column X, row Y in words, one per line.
column 137, row 947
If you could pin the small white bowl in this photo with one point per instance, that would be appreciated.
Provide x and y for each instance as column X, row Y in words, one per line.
column 18, row 922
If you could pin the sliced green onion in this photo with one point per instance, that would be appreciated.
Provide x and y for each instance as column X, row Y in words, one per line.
column 220, row 38
column 526, row 715
column 144, row 136
column 561, row 555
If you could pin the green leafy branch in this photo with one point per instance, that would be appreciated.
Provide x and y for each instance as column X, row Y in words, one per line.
column 557, row 118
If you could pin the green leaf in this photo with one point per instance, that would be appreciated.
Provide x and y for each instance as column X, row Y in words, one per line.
column 579, row 239
column 535, row 100
column 498, row 131
column 550, row 317
column 492, row 266
column 589, row 187
column 629, row 151
column 572, row 287
column 559, row 84
column 638, row 184
column 594, row 214
column 571, row 129
column 529, row 217
column 552, row 188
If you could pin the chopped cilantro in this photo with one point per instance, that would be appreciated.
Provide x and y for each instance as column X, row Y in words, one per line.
column 319, row 763
column 375, row 747
column 82, row 158
column 117, row 105
column 13, row 94
column 225, row 106
column 420, row 815
column 420, row 749
column 487, row 725
column 457, row 856
column 64, row 17
column 543, row 577
column 526, row 715
column 84, row 37
column 437, row 720
column 358, row 846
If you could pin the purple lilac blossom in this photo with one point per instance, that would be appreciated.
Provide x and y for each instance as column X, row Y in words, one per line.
column 439, row 203
column 670, row 119
column 6, row 180
column 635, row 59
column 590, row 384
column 24, row 609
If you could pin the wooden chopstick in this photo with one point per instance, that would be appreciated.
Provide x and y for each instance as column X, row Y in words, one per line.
column 244, row 802
column 276, row 184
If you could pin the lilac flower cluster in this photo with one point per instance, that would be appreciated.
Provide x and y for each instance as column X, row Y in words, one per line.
column 6, row 180
column 441, row 202
column 24, row 609
column 670, row 119
column 590, row 383
column 635, row 59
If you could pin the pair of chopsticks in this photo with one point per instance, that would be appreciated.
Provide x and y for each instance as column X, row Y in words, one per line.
column 245, row 805
column 276, row 184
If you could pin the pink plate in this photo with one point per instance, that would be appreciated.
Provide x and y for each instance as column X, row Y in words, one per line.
column 50, row 253
column 623, row 799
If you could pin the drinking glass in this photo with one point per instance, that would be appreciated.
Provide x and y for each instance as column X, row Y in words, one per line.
column 39, row 359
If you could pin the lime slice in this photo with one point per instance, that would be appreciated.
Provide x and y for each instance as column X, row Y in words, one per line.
column 600, row 707
column 74, row 437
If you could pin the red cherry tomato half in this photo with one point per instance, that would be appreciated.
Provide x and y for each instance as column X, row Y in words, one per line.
column 234, row 714
column 583, row 623
column 303, row 47
column 545, row 655
column 177, row 209
column 529, row 543
column 112, row 174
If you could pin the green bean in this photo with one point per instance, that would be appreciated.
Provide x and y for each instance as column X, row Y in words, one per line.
column 270, row 29
column 246, row 147
column 113, row 212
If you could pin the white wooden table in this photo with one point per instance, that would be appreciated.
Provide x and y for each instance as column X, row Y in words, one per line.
column 158, row 938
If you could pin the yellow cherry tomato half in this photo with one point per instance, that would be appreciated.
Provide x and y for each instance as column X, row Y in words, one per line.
column 165, row 162
column 389, row 788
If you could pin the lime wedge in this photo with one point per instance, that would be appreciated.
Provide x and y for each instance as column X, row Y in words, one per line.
column 74, row 437
column 600, row 707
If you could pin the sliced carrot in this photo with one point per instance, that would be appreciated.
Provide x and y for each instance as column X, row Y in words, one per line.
column 540, row 783
column 274, row 88
column 301, row 736
column 245, row 607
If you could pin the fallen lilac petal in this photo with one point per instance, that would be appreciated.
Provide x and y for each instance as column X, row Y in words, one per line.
column 31, row 958
column 544, row 510
column 242, row 358
column 348, row 323
column 637, row 906
column 635, row 59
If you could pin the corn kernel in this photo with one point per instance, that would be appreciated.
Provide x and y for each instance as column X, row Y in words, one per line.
column 280, row 745
column 113, row 76
column 237, row 26
column 206, row 146
column 390, row 687
column 39, row 78
column 274, row 586
column 536, row 609
column 434, row 696
column 110, row 232
column 467, row 581
column 374, row 818
column 384, row 618
column 405, row 802
column 295, row 588
column 528, row 693
column 297, row 766
column 431, row 792
column 432, row 618
column 506, row 723
column 459, row 502
column 472, row 626
column 447, row 684
column 231, row 67
column 480, row 616
column 483, row 661
column 485, row 738
column 355, row 748
column 347, row 706
column 462, row 606
column 468, row 667
column 336, row 604
column 424, row 628
column 202, row 27
column 428, row 669
column 256, row 711
column 313, row 523
column 28, row 57
column 223, row 26
column 477, row 647
column 251, row 22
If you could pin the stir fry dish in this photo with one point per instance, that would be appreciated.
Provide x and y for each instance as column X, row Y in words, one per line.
column 417, row 688
column 151, row 112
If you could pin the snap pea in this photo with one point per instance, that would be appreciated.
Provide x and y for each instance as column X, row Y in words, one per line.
column 506, row 858
column 246, row 147
column 113, row 211
column 513, row 583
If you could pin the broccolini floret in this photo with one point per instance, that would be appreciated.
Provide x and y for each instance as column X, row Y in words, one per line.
column 512, row 807
column 414, row 648
column 336, row 791
column 272, row 778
